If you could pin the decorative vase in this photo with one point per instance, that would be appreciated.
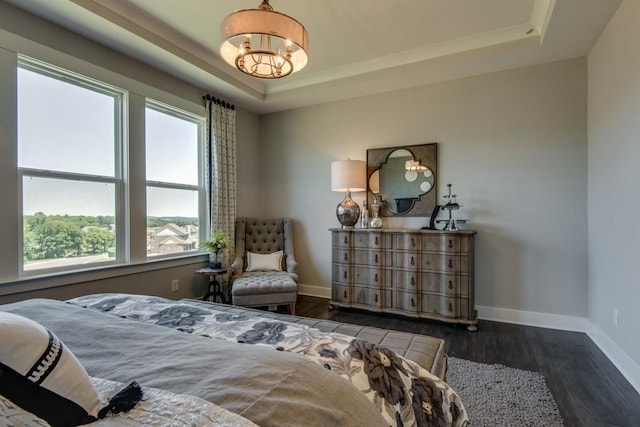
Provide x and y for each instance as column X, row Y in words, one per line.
column 376, row 221
column 214, row 263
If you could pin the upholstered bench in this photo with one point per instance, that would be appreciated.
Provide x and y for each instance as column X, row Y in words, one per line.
column 427, row 351
column 265, row 288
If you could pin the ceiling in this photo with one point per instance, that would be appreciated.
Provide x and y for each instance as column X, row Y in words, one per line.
column 356, row 47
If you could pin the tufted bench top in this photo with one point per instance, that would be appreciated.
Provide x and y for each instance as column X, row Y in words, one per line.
column 427, row 351
column 263, row 282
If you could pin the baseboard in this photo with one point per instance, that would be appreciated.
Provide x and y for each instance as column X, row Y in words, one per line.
column 532, row 318
column 627, row 367
column 314, row 291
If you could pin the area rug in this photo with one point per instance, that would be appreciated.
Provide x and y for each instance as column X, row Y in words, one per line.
column 495, row 395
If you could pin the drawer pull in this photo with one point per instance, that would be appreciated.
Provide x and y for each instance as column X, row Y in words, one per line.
column 345, row 240
column 376, row 298
column 450, row 244
column 413, row 302
column 450, row 285
column 450, row 307
column 450, row 263
column 376, row 258
column 413, row 281
column 346, row 258
column 345, row 294
column 413, row 261
column 376, row 277
column 376, row 241
column 345, row 274
column 413, row 242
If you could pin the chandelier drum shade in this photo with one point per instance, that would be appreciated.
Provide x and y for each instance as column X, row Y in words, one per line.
column 264, row 43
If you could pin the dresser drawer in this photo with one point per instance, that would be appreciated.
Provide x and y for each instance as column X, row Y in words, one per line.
column 447, row 284
column 366, row 296
column 445, row 263
column 440, row 305
column 406, row 260
column 449, row 243
column 405, row 280
column 342, row 255
column 341, row 273
column 342, row 239
column 406, row 242
column 369, row 276
column 370, row 240
column 341, row 294
column 405, row 301
column 373, row 257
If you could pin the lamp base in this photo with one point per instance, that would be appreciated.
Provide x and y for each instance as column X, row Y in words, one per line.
column 348, row 212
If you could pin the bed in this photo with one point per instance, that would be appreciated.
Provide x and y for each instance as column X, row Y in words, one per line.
column 263, row 368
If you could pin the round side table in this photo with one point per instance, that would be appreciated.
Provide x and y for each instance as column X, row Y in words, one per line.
column 214, row 294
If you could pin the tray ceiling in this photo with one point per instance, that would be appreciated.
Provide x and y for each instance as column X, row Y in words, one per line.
column 357, row 47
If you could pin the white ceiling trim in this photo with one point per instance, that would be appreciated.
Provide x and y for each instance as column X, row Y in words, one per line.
column 116, row 12
column 512, row 37
column 542, row 11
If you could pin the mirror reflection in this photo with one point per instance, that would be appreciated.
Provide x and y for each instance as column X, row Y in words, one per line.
column 404, row 178
column 400, row 181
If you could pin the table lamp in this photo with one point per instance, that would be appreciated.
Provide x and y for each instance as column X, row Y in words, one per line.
column 348, row 175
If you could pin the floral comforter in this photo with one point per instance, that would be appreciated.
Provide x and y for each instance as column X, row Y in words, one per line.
column 405, row 393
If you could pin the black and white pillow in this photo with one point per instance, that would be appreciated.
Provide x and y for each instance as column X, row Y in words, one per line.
column 42, row 376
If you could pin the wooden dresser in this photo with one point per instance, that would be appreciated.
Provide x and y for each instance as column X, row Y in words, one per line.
column 417, row 273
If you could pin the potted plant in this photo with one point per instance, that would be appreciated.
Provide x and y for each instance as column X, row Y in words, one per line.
column 217, row 244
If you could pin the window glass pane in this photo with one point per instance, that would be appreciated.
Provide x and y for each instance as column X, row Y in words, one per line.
column 64, row 127
column 77, row 228
column 172, row 148
column 172, row 220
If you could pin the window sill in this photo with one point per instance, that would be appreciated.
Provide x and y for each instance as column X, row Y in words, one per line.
column 34, row 283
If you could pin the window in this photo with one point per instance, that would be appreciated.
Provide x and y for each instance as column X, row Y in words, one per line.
column 69, row 166
column 175, row 188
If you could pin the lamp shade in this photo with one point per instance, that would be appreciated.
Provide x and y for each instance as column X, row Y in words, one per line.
column 348, row 175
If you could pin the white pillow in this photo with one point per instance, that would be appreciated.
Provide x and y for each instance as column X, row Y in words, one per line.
column 264, row 262
column 41, row 375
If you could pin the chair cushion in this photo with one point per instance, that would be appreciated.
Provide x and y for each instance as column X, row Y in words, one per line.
column 263, row 282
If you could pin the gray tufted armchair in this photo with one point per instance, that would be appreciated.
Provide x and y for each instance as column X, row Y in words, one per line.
column 264, row 287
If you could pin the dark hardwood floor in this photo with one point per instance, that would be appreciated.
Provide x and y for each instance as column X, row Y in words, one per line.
column 588, row 389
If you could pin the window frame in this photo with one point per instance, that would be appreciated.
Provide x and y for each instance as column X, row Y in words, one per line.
column 118, row 179
column 200, row 187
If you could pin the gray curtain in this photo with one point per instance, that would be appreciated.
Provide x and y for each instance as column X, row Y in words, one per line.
column 220, row 149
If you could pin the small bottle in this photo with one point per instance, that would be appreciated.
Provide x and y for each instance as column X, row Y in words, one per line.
column 376, row 221
column 364, row 218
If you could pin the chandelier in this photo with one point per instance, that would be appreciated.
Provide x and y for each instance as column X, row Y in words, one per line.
column 264, row 43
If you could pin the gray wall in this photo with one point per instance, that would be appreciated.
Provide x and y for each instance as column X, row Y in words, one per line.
column 514, row 146
column 614, row 186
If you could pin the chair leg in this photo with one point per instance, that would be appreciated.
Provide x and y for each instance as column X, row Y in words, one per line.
column 292, row 309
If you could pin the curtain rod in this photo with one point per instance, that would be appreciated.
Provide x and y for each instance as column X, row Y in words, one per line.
column 218, row 101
